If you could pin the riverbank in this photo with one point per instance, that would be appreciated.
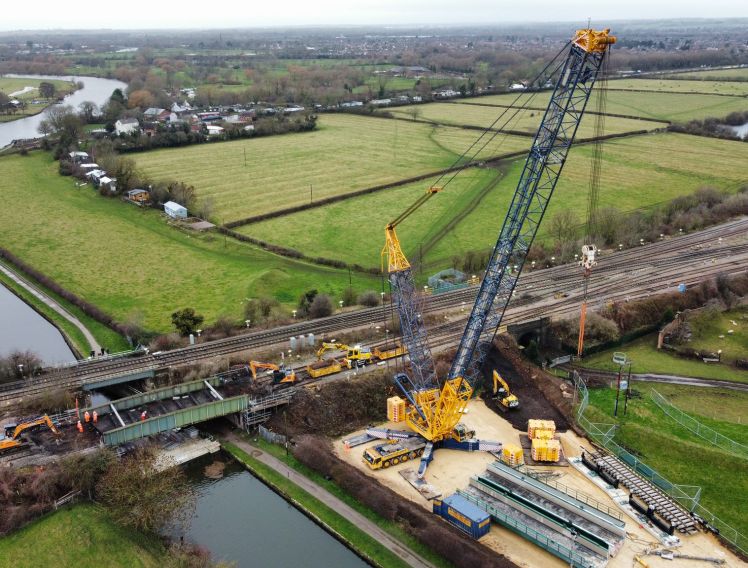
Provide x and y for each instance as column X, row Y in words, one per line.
column 374, row 545
column 23, row 89
column 81, row 535
column 73, row 336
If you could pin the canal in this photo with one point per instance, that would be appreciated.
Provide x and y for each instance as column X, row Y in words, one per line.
column 239, row 519
column 22, row 329
column 94, row 89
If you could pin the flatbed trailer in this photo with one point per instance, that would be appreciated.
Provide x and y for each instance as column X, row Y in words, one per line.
column 394, row 452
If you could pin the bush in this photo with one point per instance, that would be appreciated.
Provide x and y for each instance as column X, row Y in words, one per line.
column 321, row 306
column 349, row 297
column 370, row 299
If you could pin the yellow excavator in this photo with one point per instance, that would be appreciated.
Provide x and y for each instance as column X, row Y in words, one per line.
column 356, row 355
column 281, row 374
column 12, row 435
column 502, row 393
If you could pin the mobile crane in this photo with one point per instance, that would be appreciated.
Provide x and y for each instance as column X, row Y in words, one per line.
column 433, row 409
column 12, row 434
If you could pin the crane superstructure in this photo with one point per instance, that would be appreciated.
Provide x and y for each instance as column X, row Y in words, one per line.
column 434, row 410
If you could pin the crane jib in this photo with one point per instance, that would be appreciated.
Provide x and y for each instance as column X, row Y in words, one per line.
column 543, row 166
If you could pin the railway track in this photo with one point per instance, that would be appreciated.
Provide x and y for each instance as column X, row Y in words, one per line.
column 631, row 273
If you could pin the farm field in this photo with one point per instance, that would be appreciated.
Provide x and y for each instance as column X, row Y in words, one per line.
column 704, row 86
column 655, row 106
column 714, row 75
column 354, row 229
column 528, row 121
column 671, row 449
column 639, row 171
column 127, row 260
column 344, row 154
column 10, row 85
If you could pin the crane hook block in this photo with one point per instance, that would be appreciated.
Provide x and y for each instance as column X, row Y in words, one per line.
column 593, row 41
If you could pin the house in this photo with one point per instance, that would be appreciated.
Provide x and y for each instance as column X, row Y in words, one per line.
column 153, row 113
column 175, row 210
column 138, row 196
column 108, row 183
column 126, row 126
column 214, row 130
column 78, row 157
column 181, row 109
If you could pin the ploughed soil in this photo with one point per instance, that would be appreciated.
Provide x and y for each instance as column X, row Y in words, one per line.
column 540, row 394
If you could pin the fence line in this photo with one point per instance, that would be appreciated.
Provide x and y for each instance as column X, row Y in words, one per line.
column 687, row 495
column 693, row 425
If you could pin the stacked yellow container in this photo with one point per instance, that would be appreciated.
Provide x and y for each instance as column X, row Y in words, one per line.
column 511, row 454
column 395, row 409
column 546, row 450
column 534, row 425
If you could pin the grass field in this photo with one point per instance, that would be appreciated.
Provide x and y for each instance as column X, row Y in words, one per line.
column 128, row 260
column 658, row 106
column 711, row 333
column 345, row 153
column 637, row 172
column 529, row 121
column 647, row 359
column 683, row 85
column 11, row 85
column 714, row 75
column 679, row 455
column 81, row 535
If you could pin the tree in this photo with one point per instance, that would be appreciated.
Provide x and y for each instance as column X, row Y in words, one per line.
column 118, row 97
column 143, row 496
column 349, row 297
column 89, row 111
column 306, row 301
column 47, row 89
column 186, row 320
column 141, row 99
column 563, row 227
column 4, row 100
column 321, row 306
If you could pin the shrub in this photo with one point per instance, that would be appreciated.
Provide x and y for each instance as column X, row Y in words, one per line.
column 321, row 306
column 370, row 299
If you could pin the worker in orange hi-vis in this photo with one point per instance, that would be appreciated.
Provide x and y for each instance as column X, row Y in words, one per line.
column 80, row 427
column 95, row 417
column 143, row 415
column 87, row 417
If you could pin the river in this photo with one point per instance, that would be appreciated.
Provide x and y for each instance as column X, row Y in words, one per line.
column 239, row 519
column 22, row 328
column 94, row 89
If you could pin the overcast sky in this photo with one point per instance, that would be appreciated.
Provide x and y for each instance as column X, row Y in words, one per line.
column 141, row 14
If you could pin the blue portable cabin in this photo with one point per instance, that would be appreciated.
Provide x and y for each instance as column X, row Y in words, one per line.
column 464, row 515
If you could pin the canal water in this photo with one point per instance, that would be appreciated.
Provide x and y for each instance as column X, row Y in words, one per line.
column 94, row 89
column 239, row 519
column 22, row 328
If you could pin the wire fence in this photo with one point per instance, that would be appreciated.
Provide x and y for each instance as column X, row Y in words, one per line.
column 686, row 495
column 693, row 425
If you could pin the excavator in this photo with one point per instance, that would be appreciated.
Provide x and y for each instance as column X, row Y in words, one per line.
column 502, row 393
column 281, row 374
column 356, row 356
column 12, row 440
column 435, row 407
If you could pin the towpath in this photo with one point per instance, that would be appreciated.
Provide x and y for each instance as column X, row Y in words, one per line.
column 381, row 536
column 52, row 304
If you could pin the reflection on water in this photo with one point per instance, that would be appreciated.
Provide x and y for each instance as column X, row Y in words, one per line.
column 240, row 519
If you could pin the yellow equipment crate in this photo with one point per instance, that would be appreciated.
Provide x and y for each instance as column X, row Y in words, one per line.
column 546, row 450
column 511, row 454
column 395, row 409
column 541, row 434
column 534, row 424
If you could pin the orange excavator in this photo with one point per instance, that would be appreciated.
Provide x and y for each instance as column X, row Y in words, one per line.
column 12, row 435
column 281, row 374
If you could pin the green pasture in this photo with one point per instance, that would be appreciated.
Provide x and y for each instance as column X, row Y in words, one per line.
column 526, row 121
column 679, row 455
column 128, row 260
column 638, row 171
column 714, row 75
column 707, row 87
column 650, row 105
column 344, row 154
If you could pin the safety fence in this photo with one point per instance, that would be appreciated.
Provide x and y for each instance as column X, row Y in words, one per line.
column 270, row 436
column 686, row 495
column 693, row 425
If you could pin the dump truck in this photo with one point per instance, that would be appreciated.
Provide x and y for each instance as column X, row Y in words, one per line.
column 394, row 452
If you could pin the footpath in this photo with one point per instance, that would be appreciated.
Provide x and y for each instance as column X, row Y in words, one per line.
column 54, row 305
column 383, row 537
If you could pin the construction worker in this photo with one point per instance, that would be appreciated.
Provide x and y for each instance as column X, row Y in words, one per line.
column 95, row 417
column 87, row 417
column 143, row 415
column 80, row 427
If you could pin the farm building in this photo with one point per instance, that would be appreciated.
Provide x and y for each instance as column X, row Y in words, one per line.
column 175, row 210
column 138, row 196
